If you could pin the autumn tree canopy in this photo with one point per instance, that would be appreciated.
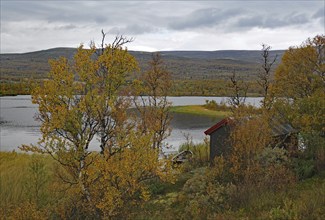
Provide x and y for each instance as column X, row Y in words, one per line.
column 302, row 70
column 300, row 79
column 86, row 99
column 299, row 88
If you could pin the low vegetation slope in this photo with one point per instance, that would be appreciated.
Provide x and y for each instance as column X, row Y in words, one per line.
column 182, row 64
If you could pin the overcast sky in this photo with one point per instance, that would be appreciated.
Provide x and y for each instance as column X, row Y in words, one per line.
column 160, row 25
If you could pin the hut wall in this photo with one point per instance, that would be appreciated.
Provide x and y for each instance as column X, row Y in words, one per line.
column 219, row 144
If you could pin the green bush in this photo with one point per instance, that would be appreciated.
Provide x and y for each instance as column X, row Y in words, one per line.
column 157, row 187
column 274, row 156
column 213, row 105
column 288, row 212
column 304, row 168
column 203, row 196
column 314, row 149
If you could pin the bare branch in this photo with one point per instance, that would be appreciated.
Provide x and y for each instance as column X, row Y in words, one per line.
column 239, row 90
column 264, row 76
column 120, row 40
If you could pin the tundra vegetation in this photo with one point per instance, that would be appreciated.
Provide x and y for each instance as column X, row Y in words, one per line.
column 63, row 179
column 195, row 73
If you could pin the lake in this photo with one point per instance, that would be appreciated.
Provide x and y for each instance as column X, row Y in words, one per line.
column 17, row 124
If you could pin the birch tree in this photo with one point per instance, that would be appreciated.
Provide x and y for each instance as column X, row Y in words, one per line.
column 87, row 99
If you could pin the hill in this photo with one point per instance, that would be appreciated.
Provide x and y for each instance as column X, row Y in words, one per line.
column 194, row 65
column 253, row 56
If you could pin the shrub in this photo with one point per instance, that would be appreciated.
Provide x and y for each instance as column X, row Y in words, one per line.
column 304, row 168
column 201, row 154
column 204, row 196
column 288, row 212
column 213, row 105
column 314, row 150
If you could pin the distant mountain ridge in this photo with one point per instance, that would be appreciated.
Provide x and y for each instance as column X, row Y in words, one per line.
column 244, row 55
column 240, row 55
column 182, row 64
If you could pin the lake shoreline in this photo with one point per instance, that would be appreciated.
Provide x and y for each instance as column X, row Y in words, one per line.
column 198, row 110
column 189, row 116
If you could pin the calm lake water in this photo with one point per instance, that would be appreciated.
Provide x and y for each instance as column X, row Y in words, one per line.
column 17, row 124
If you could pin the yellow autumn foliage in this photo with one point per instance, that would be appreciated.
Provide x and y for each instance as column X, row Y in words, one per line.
column 85, row 99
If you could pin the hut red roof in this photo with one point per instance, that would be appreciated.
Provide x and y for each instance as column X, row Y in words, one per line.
column 277, row 127
column 217, row 126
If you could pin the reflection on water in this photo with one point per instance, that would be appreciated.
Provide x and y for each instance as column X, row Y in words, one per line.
column 12, row 137
column 189, row 125
column 18, row 125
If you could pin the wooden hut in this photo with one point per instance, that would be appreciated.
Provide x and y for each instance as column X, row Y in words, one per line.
column 283, row 135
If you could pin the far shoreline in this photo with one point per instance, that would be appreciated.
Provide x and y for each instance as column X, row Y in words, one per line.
column 199, row 110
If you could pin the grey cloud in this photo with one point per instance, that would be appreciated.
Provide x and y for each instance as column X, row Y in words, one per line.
column 133, row 29
column 320, row 13
column 203, row 18
column 166, row 19
column 66, row 27
column 297, row 19
column 271, row 20
column 189, row 15
column 274, row 22
column 54, row 11
column 77, row 17
column 253, row 21
column 13, row 11
column 289, row 20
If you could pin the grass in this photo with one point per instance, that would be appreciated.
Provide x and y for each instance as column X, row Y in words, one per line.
column 303, row 200
column 199, row 110
column 19, row 174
